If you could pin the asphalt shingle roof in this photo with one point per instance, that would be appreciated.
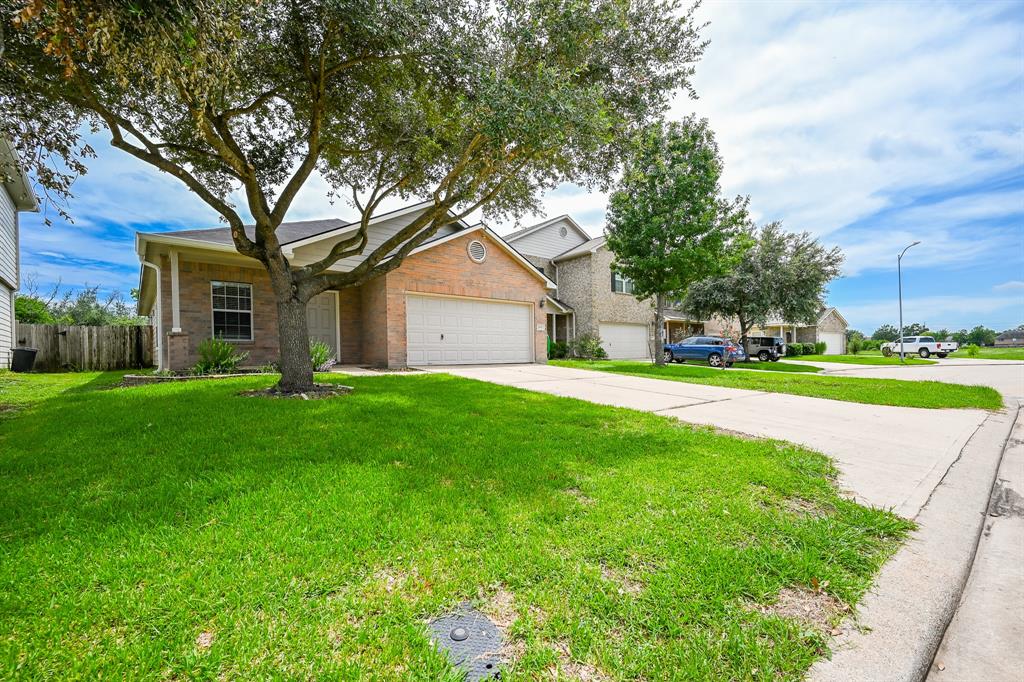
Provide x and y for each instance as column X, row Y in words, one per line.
column 286, row 232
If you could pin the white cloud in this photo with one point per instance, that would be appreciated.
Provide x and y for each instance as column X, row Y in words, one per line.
column 1012, row 285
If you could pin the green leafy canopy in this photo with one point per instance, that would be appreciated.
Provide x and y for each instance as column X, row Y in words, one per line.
column 668, row 224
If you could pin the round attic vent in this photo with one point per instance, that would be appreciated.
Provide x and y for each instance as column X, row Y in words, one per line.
column 477, row 251
column 562, row 231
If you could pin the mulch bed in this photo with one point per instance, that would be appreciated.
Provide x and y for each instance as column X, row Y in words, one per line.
column 319, row 392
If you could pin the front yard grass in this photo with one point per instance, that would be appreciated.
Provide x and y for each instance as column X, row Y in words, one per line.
column 932, row 394
column 179, row 531
column 866, row 359
column 768, row 366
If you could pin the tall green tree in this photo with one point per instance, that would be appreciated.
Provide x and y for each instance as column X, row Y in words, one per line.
column 886, row 332
column 667, row 223
column 783, row 274
column 474, row 105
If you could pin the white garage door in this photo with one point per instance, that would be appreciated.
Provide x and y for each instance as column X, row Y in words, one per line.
column 835, row 342
column 464, row 331
column 625, row 341
column 322, row 319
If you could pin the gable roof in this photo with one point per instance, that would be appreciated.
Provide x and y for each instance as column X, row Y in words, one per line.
column 290, row 234
column 589, row 246
column 14, row 179
column 518, row 234
column 505, row 246
column 829, row 311
column 1017, row 333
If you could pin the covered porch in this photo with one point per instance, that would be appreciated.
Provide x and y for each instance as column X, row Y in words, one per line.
column 679, row 326
column 561, row 320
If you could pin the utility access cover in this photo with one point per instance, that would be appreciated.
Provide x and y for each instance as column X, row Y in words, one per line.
column 471, row 640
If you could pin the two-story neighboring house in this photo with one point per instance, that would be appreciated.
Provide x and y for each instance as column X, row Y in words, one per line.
column 15, row 195
column 591, row 298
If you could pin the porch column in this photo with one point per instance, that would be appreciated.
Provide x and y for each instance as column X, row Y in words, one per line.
column 175, row 303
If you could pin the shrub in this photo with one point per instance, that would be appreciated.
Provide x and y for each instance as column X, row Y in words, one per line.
column 31, row 310
column 871, row 344
column 794, row 350
column 972, row 350
column 820, row 347
column 588, row 347
column 808, row 349
column 855, row 346
column 321, row 355
column 558, row 350
column 217, row 356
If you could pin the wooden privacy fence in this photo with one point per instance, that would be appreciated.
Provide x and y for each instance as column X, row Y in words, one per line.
column 62, row 347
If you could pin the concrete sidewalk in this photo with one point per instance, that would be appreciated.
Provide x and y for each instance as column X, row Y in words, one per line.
column 890, row 457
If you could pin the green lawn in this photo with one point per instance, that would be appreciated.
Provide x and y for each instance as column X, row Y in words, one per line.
column 932, row 394
column 984, row 353
column 184, row 532
column 771, row 366
column 861, row 359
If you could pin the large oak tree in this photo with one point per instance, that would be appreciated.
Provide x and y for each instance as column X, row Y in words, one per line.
column 472, row 105
column 782, row 275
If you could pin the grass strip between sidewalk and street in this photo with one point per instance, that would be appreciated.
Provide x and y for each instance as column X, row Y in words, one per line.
column 897, row 392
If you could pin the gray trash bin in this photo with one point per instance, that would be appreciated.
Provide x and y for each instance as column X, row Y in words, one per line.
column 22, row 359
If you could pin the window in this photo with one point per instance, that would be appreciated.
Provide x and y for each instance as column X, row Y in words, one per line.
column 232, row 311
column 927, row 339
column 620, row 284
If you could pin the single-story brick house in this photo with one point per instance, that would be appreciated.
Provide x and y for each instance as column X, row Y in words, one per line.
column 464, row 297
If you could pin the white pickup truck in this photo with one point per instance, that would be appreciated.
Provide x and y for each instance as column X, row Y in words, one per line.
column 921, row 345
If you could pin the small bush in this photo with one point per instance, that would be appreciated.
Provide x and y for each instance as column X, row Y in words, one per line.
column 808, row 349
column 820, row 347
column 217, row 356
column 321, row 355
column 871, row 344
column 972, row 350
column 794, row 350
column 855, row 346
column 558, row 350
column 270, row 368
column 588, row 347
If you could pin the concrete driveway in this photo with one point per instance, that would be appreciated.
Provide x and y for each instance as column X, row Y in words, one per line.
column 891, row 457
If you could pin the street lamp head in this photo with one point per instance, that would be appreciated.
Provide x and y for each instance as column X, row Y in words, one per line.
column 914, row 244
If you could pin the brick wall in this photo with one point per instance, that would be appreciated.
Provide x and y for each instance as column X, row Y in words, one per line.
column 195, row 303
column 611, row 306
column 372, row 317
column 447, row 269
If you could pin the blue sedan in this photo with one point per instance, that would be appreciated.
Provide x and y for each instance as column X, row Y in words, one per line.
column 714, row 350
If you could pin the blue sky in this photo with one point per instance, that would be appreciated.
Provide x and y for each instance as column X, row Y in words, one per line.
column 870, row 125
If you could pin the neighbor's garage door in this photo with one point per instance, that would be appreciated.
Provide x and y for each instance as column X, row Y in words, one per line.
column 627, row 341
column 464, row 331
column 835, row 342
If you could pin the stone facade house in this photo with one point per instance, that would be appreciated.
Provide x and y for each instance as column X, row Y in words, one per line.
column 16, row 195
column 591, row 297
column 830, row 328
column 463, row 297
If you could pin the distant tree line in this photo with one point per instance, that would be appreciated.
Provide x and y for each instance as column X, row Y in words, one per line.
column 978, row 336
column 82, row 307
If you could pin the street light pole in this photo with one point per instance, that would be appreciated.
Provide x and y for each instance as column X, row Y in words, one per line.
column 899, row 278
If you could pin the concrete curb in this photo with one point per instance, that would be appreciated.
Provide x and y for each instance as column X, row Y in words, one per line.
column 902, row 620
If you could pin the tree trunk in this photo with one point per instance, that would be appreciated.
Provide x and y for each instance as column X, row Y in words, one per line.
column 659, row 329
column 293, row 339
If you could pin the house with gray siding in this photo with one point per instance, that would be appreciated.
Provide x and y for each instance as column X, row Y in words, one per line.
column 16, row 195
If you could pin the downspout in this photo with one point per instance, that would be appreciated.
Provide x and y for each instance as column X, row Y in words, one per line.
column 159, row 316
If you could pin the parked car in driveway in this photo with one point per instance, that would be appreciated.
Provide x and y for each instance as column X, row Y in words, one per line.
column 714, row 350
column 921, row 345
column 766, row 348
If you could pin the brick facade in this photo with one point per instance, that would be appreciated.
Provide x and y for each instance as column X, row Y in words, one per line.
column 371, row 317
column 447, row 270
